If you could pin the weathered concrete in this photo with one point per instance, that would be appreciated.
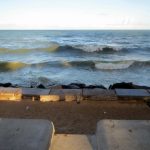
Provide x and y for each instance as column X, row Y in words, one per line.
column 47, row 95
column 25, row 134
column 123, row 135
column 65, row 94
column 99, row 94
column 13, row 94
column 133, row 93
column 34, row 93
column 73, row 142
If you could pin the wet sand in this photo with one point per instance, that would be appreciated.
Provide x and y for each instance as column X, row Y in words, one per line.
column 73, row 118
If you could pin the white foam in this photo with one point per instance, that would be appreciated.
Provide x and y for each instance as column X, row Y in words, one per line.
column 96, row 48
column 113, row 65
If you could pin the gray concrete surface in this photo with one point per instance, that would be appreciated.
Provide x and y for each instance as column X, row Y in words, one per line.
column 99, row 94
column 35, row 91
column 66, row 94
column 132, row 92
column 73, row 142
column 13, row 94
column 25, row 134
column 123, row 135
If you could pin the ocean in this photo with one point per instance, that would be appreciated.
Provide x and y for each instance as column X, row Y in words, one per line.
column 52, row 57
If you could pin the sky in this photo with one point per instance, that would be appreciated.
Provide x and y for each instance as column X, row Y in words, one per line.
column 74, row 14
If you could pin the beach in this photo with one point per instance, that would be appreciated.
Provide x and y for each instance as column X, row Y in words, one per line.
column 73, row 118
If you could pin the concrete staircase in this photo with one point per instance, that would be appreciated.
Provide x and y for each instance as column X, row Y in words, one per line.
column 110, row 135
column 32, row 134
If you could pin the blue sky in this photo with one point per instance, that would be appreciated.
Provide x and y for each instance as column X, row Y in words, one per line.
column 75, row 14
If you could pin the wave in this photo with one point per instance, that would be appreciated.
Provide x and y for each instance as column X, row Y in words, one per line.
column 89, row 64
column 82, row 48
column 118, row 65
column 98, row 48
column 11, row 66
column 55, row 47
column 113, row 65
column 99, row 65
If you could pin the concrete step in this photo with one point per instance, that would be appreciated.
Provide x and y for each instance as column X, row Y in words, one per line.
column 13, row 94
column 133, row 94
column 25, row 134
column 63, row 95
column 123, row 135
column 48, row 95
column 99, row 94
column 34, row 93
column 73, row 142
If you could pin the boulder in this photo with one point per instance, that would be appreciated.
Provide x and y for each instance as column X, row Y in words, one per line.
column 41, row 86
column 79, row 85
column 140, row 87
column 5, row 84
column 124, row 85
column 95, row 86
column 74, row 86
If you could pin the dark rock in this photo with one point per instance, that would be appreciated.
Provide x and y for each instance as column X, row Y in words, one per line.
column 74, row 86
column 125, row 85
column 6, row 84
column 79, row 85
column 65, row 86
column 140, row 87
column 41, row 86
column 70, row 87
column 122, row 85
column 95, row 86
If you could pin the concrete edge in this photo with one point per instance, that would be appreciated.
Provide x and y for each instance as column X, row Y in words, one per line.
column 56, row 95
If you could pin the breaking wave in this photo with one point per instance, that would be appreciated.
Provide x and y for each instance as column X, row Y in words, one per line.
column 103, row 65
column 98, row 65
column 113, row 65
column 55, row 47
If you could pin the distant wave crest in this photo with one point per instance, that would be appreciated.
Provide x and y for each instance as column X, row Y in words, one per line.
column 55, row 47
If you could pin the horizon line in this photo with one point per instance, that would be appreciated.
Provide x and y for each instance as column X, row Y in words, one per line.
column 75, row 29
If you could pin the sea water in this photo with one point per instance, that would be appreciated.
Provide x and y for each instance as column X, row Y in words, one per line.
column 81, row 56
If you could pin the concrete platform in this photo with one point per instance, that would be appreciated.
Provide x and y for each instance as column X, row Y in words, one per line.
column 73, row 142
column 13, row 94
column 65, row 95
column 123, row 135
column 25, row 134
column 34, row 93
column 99, row 94
column 133, row 93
